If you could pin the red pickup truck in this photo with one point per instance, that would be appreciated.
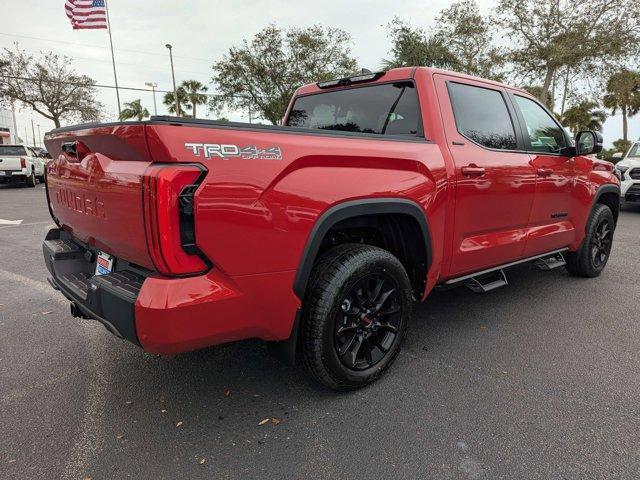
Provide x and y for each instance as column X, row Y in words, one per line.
column 317, row 235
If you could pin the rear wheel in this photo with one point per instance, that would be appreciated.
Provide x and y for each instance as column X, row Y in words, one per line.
column 31, row 179
column 355, row 315
column 591, row 258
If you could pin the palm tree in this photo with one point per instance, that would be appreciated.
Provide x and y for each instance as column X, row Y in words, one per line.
column 134, row 109
column 169, row 101
column 584, row 116
column 623, row 93
column 194, row 89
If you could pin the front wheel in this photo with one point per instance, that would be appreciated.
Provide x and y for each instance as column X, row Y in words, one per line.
column 591, row 258
column 356, row 312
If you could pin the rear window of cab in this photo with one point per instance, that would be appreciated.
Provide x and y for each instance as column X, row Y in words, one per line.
column 383, row 109
column 12, row 150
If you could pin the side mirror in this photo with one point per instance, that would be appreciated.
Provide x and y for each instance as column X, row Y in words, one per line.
column 617, row 156
column 588, row 142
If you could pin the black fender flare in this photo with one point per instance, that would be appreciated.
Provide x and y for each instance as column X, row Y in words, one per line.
column 607, row 188
column 602, row 189
column 349, row 209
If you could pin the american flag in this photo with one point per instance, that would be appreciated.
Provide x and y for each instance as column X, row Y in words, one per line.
column 86, row 13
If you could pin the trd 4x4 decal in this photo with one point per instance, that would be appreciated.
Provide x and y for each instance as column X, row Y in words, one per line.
column 225, row 151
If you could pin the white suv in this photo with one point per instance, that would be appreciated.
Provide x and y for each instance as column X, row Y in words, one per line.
column 20, row 164
column 628, row 171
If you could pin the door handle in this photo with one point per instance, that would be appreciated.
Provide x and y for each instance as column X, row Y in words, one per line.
column 472, row 170
column 544, row 172
column 75, row 151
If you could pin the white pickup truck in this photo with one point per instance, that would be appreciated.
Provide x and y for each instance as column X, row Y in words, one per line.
column 628, row 171
column 20, row 164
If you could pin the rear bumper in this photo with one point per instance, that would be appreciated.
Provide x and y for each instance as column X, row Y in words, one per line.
column 12, row 175
column 110, row 299
column 171, row 315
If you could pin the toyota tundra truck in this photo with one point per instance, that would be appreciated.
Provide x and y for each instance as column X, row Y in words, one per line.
column 318, row 235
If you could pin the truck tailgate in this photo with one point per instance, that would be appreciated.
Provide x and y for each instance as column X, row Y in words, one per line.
column 96, row 195
column 10, row 163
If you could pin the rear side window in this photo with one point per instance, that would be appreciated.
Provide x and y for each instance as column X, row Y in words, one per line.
column 12, row 150
column 482, row 116
column 388, row 109
column 545, row 134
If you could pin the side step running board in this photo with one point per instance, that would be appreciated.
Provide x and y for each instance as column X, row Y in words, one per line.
column 551, row 263
column 488, row 282
column 495, row 277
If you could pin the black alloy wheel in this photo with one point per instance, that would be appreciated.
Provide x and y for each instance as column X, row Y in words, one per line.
column 601, row 243
column 367, row 324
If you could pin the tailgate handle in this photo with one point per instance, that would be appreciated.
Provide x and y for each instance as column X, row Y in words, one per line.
column 75, row 151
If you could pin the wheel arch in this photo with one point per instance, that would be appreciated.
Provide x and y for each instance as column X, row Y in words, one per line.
column 608, row 195
column 359, row 211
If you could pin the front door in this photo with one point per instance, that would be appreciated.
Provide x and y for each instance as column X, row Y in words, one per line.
column 494, row 180
column 552, row 215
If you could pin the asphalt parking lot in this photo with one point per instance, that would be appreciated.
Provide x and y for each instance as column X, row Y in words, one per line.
column 538, row 380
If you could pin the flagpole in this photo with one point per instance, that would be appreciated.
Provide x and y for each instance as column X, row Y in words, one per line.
column 113, row 59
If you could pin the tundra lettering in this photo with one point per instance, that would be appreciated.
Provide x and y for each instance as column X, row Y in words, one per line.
column 89, row 205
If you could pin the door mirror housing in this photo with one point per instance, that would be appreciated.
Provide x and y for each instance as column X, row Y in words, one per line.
column 617, row 156
column 588, row 142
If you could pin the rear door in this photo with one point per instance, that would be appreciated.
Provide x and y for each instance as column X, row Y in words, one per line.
column 494, row 181
column 553, row 212
column 38, row 163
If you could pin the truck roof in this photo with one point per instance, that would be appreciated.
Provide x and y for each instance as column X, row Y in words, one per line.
column 404, row 73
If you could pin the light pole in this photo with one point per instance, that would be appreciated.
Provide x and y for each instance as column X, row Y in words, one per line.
column 173, row 76
column 153, row 86
column 15, row 124
column 33, row 132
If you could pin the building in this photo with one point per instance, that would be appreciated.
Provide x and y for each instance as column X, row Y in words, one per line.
column 7, row 133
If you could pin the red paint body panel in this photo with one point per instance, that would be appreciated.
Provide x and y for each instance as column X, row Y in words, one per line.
column 253, row 217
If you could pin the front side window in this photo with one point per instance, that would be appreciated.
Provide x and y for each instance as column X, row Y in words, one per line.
column 482, row 116
column 545, row 134
column 388, row 109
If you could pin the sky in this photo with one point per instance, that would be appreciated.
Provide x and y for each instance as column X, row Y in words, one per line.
column 201, row 31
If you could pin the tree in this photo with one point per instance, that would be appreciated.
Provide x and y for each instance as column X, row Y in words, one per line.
column 134, row 109
column 170, row 101
column 572, row 34
column 48, row 85
column 468, row 36
column 194, row 93
column 622, row 145
column 536, row 90
column 414, row 47
column 262, row 75
column 623, row 93
column 584, row 116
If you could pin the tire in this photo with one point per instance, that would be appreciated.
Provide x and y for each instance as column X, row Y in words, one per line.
column 31, row 179
column 340, row 317
column 590, row 259
column 41, row 178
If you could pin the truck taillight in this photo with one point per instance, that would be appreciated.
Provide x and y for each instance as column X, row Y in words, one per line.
column 168, row 195
column 23, row 162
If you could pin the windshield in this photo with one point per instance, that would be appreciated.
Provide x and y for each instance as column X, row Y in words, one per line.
column 388, row 109
column 635, row 151
column 12, row 150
